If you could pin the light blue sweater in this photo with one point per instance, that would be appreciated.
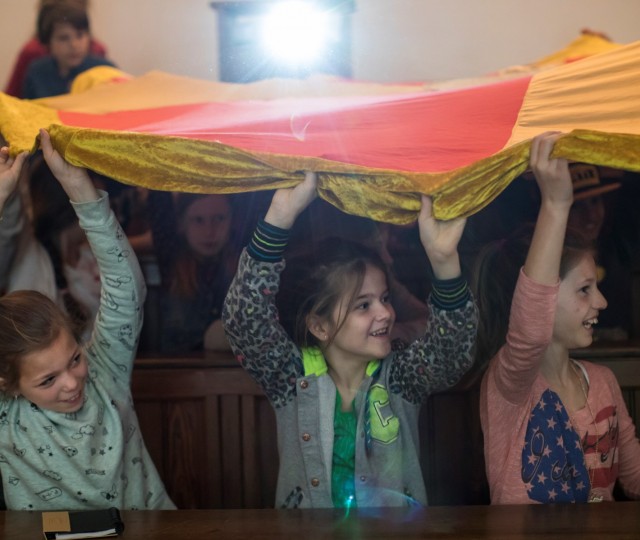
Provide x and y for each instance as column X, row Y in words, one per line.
column 94, row 458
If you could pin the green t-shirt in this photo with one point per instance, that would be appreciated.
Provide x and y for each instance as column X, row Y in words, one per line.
column 344, row 457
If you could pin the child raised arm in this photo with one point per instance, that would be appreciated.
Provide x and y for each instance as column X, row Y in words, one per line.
column 556, row 191
column 74, row 180
column 9, row 173
column 11, row 208
column 69, row 437
column 346, row 405
column 555, row 429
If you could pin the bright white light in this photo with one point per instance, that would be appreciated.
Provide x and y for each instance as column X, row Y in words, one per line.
column 295, row 32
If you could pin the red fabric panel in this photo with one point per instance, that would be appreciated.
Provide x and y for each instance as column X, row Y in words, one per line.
column 426, row 132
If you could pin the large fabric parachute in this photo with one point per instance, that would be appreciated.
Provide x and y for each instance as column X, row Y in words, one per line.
column 375, row 147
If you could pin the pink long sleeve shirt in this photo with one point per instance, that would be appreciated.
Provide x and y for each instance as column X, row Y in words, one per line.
column 534, row 451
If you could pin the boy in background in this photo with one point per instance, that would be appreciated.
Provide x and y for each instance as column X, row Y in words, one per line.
column 33, row 50
column 63, row 27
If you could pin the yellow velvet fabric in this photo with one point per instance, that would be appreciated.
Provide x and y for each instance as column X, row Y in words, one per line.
column 583, row 46
column 177, row 164
column 97, row 76
column 20, row 121
column 595, row 99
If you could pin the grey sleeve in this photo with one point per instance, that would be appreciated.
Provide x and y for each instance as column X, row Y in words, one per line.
column 10, row 227
column 114, row 340
column 259, row 342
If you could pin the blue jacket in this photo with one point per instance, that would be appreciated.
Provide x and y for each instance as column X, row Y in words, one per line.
column 44, row 80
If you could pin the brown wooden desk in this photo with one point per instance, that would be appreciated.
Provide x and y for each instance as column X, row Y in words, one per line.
column 586, row 521
column 212, row 434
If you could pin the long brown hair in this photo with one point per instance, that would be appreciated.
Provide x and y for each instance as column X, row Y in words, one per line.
column 495, row 275
column 29, row 322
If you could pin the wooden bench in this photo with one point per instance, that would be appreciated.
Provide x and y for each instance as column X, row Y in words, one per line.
column 212, row 433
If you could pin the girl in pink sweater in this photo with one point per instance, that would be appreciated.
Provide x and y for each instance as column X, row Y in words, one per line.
column 555, row 430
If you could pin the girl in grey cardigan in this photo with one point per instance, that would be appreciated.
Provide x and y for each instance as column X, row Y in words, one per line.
column 346, row 405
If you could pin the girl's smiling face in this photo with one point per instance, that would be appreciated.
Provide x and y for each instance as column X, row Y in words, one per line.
column 54, row 378
column 579, row 303
column 365, row 333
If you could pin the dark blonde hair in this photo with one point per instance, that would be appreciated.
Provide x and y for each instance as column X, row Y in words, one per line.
column 29, row 322
column 495, row 275
column 316, row 280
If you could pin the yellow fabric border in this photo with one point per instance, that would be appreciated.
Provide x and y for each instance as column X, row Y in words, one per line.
column 595, row 99
column 98, row 76
column 175, row 164
column 583, row 46
column 20, row 121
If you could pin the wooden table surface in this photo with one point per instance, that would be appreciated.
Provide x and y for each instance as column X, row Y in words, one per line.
column 585, row 521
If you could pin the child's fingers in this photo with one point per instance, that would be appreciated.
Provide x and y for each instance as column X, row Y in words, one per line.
column 426, row 210
column 45, row 141
column 305, row 192
column 13, row 164
column 548, row 143
column 542, row 145
column 19, row 160
column 311, row 177
column 55, row 161
column 533, row 153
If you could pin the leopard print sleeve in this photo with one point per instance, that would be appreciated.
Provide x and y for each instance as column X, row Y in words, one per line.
column 440, row 358
column 259, row 342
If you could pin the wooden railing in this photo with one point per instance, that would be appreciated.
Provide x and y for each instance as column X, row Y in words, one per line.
column 212, row 433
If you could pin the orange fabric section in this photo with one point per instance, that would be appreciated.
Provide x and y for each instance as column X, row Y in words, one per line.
column 600, row 93
column 416, row 132
column 20, row 121
column 375, row 147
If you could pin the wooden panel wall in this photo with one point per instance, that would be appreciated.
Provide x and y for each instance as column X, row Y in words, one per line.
column 212, row 433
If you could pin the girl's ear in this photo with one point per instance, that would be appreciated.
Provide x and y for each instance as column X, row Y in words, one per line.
column 319, row 327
